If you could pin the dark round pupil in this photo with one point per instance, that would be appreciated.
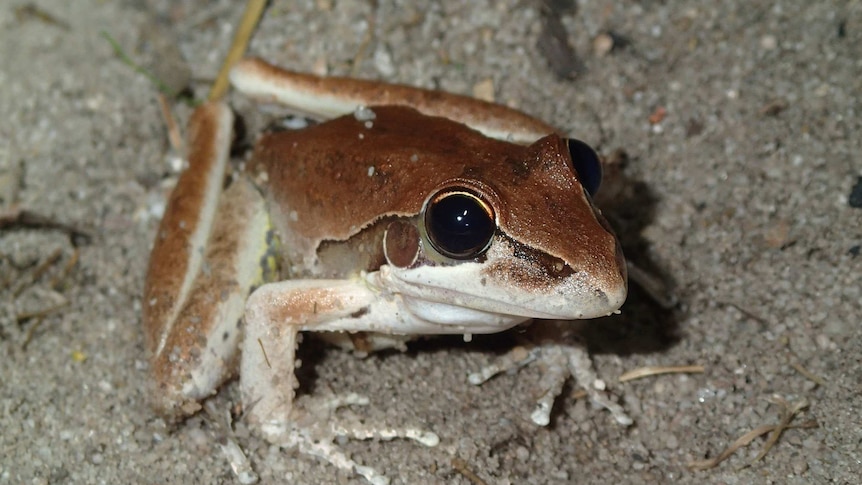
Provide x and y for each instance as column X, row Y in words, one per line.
column 587, row 165
column 459, row 226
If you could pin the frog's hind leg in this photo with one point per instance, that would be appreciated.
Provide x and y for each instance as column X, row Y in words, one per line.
column 330, row 97
column 207, row 256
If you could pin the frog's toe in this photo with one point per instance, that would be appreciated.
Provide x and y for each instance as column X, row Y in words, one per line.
column 314, row 429
column 559, row 361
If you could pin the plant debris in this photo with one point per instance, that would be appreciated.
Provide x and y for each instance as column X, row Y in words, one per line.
column 788, row 413
column 30, row 11
column 16, row 217
column 648, row 371
column 461, row 466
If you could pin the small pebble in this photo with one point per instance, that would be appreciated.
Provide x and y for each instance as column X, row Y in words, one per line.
column 484, row 90
column 603, row 44
column 768, row 42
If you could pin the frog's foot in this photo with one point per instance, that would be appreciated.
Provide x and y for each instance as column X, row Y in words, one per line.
column 313, row 430
column 559, row 362
column 308, row 412
column 333, row 455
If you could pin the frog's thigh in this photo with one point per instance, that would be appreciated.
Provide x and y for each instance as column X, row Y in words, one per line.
column 275, row 313
column 178, row 250
column 200, row 346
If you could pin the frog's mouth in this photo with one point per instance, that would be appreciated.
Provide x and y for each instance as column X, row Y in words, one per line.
column 467, row 298
column 513, row 281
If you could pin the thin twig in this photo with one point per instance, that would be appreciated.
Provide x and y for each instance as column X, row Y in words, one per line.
column 31, row 333
column 31, row 11
column 38, row 272
column 745, row 312
column 642, row 372
column 807, row 373
column 461, row 466
column 67, row 268
column 174, row 136
column 39, row 315
column 42, row 312
column 787, row 414
column 15, row 216
column 743, row 441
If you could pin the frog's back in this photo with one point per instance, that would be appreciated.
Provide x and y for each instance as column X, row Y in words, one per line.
column 348, row 171
column 332, row 180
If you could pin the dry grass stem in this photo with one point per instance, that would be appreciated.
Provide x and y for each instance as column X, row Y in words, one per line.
column 787, row 414
column 462, row 467
column 808, row 374
column 253, row 13
column 642, row 372
column 37, row 273
column 175, row 138
column 39, row 315
column 60, row 278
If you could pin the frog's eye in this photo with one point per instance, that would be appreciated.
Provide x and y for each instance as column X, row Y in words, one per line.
column 587, row 165
column 459, row 224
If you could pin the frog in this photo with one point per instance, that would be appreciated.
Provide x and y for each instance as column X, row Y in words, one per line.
column 404, row 213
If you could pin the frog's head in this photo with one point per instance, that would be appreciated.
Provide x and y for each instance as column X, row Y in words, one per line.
column 518, row 237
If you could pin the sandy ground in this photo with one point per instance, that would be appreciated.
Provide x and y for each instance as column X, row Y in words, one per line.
column 741, row 120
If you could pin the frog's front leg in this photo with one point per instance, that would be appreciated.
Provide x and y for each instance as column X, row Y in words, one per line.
column 275, row 313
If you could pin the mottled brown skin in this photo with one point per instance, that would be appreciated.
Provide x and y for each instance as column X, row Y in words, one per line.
column 534, row 190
